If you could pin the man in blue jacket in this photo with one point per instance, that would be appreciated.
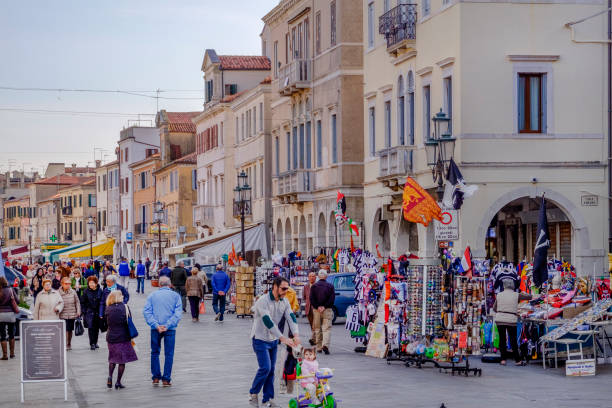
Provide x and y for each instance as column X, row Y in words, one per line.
column 140, row 276
column 220, row 285
column 124, row 273
column 165, row 270
column 162, row 312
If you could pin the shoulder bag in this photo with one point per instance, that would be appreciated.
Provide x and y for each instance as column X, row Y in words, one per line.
column 131, row 326
column 14, row 302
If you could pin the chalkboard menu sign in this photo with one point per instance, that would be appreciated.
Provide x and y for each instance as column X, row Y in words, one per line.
column 43, row 350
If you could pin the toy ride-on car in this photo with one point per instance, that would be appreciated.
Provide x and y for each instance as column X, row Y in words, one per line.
column 324, row 394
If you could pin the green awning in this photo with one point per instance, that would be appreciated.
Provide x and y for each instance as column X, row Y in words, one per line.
column 53, row 256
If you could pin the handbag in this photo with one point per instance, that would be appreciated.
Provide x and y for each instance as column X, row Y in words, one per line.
column 202, row 307
column 131, row 326
column 102, row 324
column 78, row 327
column 14, row 302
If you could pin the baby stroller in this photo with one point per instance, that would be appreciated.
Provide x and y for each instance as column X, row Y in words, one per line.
column 324, row 393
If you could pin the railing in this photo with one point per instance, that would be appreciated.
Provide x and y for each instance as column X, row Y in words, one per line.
column 399, row 24
column 395, row 161
column 296, row 74
column 205, row 215
column 67, row 210
column 142, row 228
column 112, row 230
column 295, row 181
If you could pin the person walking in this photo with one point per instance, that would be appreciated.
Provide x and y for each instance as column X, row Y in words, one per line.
column 36, row 283
column 120, row 349
column 221, row 284
column 265, row 336
column 148, row 266
column 78, row 282
column 124, row 273
column 165, row 271
column 308, row 310
column 71, row 310
column 194, row 287
column 506, row 312
column 57, row 280
column 90, row 307
column 112, row 285
column 162, row 312
column 179, row 278
column 8, row 308
column 322, row 297
column 48, row 304
column 202, row 275
column 140, row 276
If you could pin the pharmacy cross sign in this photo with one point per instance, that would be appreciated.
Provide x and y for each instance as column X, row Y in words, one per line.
column 53, row 238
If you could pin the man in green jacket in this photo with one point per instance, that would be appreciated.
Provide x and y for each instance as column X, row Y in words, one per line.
column 179, row 278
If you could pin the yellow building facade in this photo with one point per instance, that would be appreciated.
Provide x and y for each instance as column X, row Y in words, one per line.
column 144, row 199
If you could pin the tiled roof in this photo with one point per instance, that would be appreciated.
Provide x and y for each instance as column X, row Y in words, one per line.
column 62, row 179
column 244, row 62
column 230, row 98
column 52, row 198
column 191, row 158
column 79, row 169
column 181, row 121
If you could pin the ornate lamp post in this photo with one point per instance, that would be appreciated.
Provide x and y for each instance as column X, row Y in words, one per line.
column 440, row 148
column 30, row 231
column 158, row 216
column 242, row 199
column 91, row 228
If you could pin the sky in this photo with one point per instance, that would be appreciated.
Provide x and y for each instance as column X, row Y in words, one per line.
column 136, row 45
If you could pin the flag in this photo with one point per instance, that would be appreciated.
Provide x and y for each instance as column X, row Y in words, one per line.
column 418, row 205
column 378, row 252
column 353, row 227
column 456, row 189
column 540, row 253
column 233, row 259
column 340, row 208
column 466, row 261
column 352, row 245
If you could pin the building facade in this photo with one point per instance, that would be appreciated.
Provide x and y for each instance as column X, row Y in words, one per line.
column 48, row 220
column 316, row 50
column 78, row 203
column 17, row 214
column 144, row 200
column 523, row 126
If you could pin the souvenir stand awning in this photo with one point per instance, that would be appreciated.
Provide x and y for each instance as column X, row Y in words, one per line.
column 14, row 250
column 53, row 256
column 100, row 248
column 254, row 239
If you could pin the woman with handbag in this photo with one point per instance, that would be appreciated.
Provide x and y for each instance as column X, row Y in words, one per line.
column 72, row 309
column 8, row 308
column 195, row 293
column 49, row 303
column 90, row 306
column 120, row 349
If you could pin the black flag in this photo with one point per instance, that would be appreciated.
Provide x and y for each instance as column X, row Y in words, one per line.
column 540, row 253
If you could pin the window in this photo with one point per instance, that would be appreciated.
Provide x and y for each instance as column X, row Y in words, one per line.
column 286, row 48
column 295, row 150
column 334, row 134
column 91, row 201
column 372, row 125
column 276, row 155
column 254, row 172
column 80, row 200
column 319, row 143
column 127, row 188
column 388, row 124
column 371, row 25
column 126, row 154
column 242, row 130
column 275, row 59
column 332, row 8
column 318, row 32
column 401, row 113
column 236, row 131
column 448, row 101
column 293, row 43
column 209, row 90
column 302, row 146
column 194, row 179
column 531, row 103
column 261, row 116
column 261, row 177
column 426, row 7
column 171, row 182
column 308, row 145
column 143, row 180
column 410, row 84
column 386, row 5
column 288, row 151
column 80, row 227
column 254, row 119
column 426, row 112
column 306, row 38
column 300, row 41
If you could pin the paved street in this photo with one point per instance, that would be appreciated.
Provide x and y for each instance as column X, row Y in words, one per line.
column 214, row 366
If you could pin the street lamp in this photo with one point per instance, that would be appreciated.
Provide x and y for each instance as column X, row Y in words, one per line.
column 30, row 231
column 91, row 228
column 242, row 199
column 440, row 149
column 158, row 216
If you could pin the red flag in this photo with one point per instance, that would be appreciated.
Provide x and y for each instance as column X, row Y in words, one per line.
column 378, row 252
column 466, row 261
column 352, row 245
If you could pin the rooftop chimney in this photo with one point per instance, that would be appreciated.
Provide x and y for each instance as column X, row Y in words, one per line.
column 98, row 163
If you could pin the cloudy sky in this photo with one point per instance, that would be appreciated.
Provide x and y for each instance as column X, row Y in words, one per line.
column 136, row 45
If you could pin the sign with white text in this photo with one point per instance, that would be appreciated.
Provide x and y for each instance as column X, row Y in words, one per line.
column 448, row 228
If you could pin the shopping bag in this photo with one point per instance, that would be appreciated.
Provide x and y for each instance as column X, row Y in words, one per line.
column 202, row 307
column 103, row 325
column 131, row 326
column 78, row 327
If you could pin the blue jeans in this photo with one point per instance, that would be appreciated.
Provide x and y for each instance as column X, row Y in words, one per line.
column 140, row 282
column 219, row 304
column 156, row 339
column 266, row 358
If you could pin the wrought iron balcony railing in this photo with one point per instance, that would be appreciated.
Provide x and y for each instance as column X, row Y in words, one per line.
column 399, row 24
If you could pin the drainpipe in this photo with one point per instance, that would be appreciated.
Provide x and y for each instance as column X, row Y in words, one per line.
column 609, row 124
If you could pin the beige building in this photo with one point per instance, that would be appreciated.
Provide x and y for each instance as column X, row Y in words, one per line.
column 526, row 104
column 316, row 50
column 77, row 203
column 48, row 219
column 144, row 199
column 16, row 218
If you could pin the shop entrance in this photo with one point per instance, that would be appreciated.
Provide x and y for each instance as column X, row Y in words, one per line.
column 512, row 232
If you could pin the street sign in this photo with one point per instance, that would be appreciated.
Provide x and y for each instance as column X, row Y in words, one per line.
column 448, row 228
column 445, row 244
column 128, row 237
column 165, row 229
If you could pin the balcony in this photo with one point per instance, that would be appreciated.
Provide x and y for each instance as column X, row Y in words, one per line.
column 295, row 76
column 141, row 229
column 204, row 215
column 112, row 230
column 398, row 25
column 294, row 186
column 395, row 163
column 67, row 210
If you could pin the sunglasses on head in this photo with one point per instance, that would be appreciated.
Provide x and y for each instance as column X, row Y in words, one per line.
column 284, row 289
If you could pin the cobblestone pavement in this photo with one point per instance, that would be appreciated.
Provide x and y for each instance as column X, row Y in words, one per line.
column 214, row 366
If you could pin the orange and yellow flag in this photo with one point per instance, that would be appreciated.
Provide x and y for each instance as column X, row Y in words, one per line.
column 418, row 205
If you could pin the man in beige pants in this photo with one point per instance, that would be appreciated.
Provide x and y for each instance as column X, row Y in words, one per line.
column 312, row 278
column 322, row 296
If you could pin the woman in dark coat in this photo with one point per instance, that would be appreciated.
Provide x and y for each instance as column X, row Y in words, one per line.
column 36, row 284
column 120, row 350
column 90, row 308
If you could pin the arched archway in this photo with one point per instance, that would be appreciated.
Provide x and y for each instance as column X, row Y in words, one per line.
column 321, row 231
column 331, row 231
column 278, row 234
column 138, row 252
column 510, row 203
column 407, row 237
column 124, row 250
column 288, row 238
column 401, row 112
column 302, row 236
column 381, row 234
